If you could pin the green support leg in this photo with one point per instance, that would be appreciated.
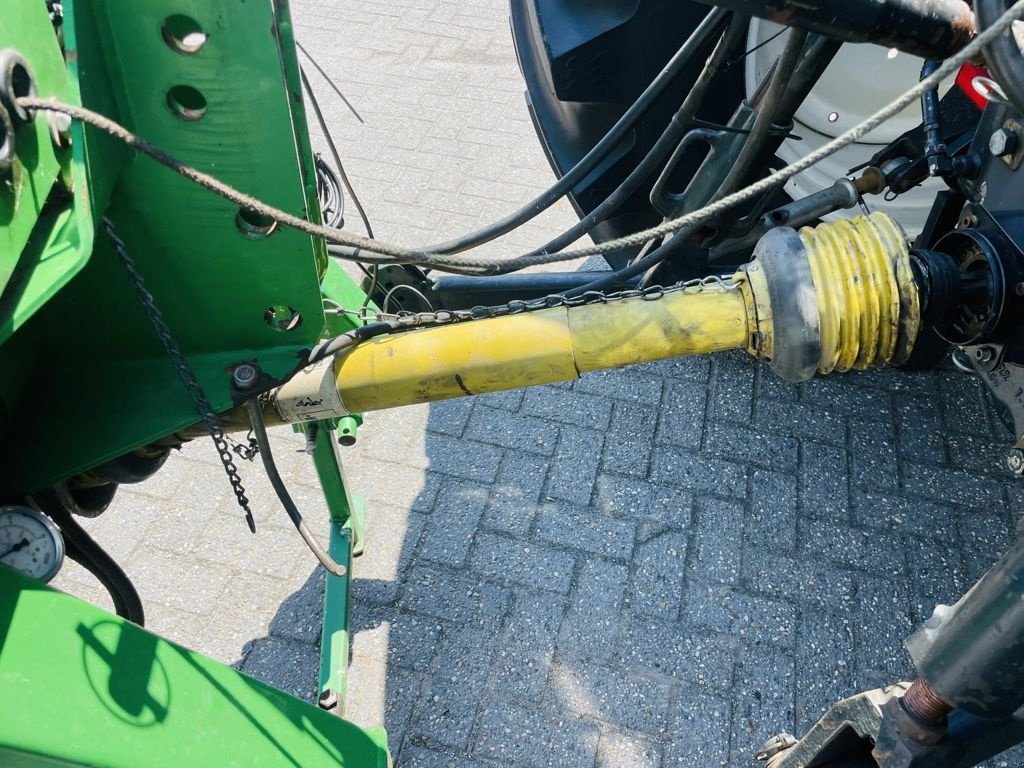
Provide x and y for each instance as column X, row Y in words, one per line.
column 346, row 538
column 82, row 687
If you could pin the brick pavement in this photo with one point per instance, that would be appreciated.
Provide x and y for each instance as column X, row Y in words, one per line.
column 660, row 566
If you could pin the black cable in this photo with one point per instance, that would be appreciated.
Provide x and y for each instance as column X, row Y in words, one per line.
column 766, row 113
column 334, row 152
column 677, row 128
column 711, row 23
column 328, row 192
column 259, row 429
column 330, row 82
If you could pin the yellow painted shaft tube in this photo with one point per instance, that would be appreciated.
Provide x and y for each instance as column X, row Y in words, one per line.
column 837, row 296
column 521, row 350
column 537, row 348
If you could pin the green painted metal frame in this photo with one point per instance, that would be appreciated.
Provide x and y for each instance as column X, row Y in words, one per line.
column 82, row 687
column 91, row 348
column 80, row 339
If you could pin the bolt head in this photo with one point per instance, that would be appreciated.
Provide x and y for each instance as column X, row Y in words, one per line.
column 1003, row 142
column 1015, row 461
column 328, row 700
column 245, row 375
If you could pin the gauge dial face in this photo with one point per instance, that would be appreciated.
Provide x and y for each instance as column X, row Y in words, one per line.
column 30, row 543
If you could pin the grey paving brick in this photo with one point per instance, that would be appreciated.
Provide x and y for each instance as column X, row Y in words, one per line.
column 731, row 396
column 526, row 647
column 842, row 393
column 698, row 473
column 624, row 383
column 421, row 757
column 617, row 748
column 983, row 455
column 392, row 536
column 465, row 459
column 984, row 537
column 660, row 567
column 814, row 582
column 718, row 530
column 884, row 621
column 800, row 420
column 574, row 465
column 882, row 510
column 517, row 431
column 448, row 710
column 580, row 528
column 401, row 639
column 681, row 421
column 511, row 506
column 771, row 520
column 518, row 561
column 288, row 665
column 954, row 485
column 755, row 447
column 458, row 599
column 699, row 725
column 629, row 441
column 509, row 400
column 514, row 734
column 853, row 548
column 694, row 369
column 770, row 387
column 670, row 507
column 762, row 700
column 634, row 702
column 566, row 407
column 963, row 404
column 920, row 429
column 378, row 695
column 448, row 533
column 938, row 574
column 873, row 453
column 825, row 660
column 594, row 618
column 824, row 482
column 730, row 611
column 697, row 657
column 449, row 417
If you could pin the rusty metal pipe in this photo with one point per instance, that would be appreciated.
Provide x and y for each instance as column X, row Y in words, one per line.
column 932, row 29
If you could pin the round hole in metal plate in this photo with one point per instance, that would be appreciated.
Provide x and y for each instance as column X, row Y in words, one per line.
column 282, row 317
column 183, row 34
column 255, row 225
column 186, row 102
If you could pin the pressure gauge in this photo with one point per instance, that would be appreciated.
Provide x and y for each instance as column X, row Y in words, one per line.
column 30, row 542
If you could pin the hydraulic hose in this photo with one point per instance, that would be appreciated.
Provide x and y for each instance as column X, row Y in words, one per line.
column 711, row 23
column 677, row 127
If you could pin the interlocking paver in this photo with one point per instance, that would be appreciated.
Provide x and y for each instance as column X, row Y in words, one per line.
column 655, row 566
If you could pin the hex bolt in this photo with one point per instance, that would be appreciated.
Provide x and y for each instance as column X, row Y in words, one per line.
column 328, row 700
column 245, row 376
column 1003, row 142
column 1015, row 461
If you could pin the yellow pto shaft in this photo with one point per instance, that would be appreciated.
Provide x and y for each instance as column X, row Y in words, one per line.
column 834, row 297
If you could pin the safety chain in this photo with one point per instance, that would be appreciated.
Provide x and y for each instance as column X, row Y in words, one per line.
column 518, row 306
column 185, row 372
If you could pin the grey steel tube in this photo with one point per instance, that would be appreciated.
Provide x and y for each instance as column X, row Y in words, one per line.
column 932, row 29
column 972, row 654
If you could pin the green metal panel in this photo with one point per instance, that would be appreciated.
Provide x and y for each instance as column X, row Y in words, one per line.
column 39, row 253
column 91, row 348
column 79, row 686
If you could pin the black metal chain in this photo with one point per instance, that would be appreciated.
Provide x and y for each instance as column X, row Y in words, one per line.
column 185, row 372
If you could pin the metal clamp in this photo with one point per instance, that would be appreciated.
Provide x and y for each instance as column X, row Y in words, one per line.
column 774, row 746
